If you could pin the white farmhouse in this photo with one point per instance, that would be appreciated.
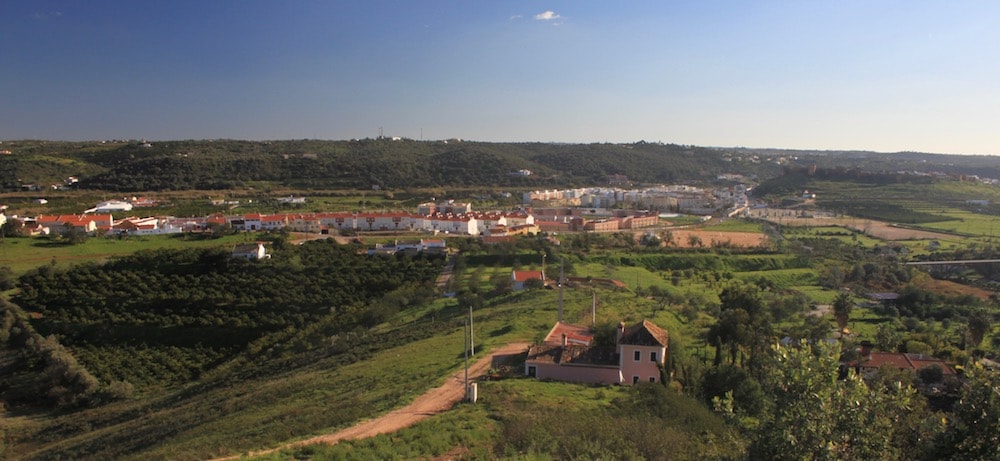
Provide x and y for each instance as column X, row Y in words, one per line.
column 251, row 251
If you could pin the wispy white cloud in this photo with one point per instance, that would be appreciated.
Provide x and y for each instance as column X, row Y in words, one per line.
column 547, row 16
column 46, row 15
column 516, row 16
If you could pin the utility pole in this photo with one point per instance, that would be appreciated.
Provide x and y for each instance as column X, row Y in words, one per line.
column 465, row 337
column 561, row 281
column 593, row 308
column 472, row 329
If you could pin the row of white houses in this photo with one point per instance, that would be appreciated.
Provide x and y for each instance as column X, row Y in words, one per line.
column 473, row 223
column 465, row 223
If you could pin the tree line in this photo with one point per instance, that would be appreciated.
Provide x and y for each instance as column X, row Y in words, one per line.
column 303, row 164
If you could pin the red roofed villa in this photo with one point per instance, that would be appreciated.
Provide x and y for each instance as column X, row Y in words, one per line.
column 871, row 361
column 568, row 354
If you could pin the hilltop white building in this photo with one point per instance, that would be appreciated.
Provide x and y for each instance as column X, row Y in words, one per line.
column 111, row 206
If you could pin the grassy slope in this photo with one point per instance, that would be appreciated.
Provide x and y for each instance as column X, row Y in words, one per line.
column 250, row 406
column 238, row 409
column 508, row 422
column 944, row 199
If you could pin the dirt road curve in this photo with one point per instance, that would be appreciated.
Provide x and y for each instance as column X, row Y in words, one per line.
column 432, row 402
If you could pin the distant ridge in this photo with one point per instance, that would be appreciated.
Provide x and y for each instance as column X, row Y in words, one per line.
column 134, row 166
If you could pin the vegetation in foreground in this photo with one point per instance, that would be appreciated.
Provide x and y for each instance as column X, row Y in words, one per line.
column 527, row 419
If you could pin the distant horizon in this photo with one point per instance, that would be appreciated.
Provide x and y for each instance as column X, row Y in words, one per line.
column 390, row 138
column 888, row 76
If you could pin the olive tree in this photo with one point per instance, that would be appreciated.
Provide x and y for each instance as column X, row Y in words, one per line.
column 818, row 416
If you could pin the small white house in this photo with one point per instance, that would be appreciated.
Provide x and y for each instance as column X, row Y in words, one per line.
column 251, row 251
column 292, row 200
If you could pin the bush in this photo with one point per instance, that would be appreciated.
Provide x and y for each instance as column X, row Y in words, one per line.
column 931, row 375
column 119, row 390
column 918, row 347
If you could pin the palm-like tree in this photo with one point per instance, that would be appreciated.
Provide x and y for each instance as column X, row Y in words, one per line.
column 842, row 307
column 979, row 325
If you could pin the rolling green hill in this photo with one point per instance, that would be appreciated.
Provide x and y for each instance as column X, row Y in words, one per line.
column 222, row 164
column 130, row 166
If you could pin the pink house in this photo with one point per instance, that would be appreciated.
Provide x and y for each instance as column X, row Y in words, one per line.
column 643, row 351
column 567, row 354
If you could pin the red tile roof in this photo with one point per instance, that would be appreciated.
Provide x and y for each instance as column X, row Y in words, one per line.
column 75, row 221
column 903, row 361
column 645, row 333
column 574, row 334
column 524, row 276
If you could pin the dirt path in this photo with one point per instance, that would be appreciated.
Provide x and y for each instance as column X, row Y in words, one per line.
column 432, row 402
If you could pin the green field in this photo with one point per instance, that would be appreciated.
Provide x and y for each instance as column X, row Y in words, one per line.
column 22, row 254
column 965, row 222
column 842, row 234
column 733, row 225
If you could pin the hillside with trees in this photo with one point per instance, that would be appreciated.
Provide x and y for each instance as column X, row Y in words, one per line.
column 390, row 164
column 165, row 317
column 130, row 166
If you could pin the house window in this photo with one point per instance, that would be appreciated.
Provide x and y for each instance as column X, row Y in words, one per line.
column 652, row 356
column 532, row 371
column 652, row 379
column 635, row 380
column 637, row 355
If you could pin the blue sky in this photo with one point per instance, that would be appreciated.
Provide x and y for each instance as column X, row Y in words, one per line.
column 872, row 75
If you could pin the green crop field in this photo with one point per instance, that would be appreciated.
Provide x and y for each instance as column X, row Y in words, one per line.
column 816, row 294
column 22, row 254
column 967, row 223
column 733, row 225
column 781, row 278
column 842, row 234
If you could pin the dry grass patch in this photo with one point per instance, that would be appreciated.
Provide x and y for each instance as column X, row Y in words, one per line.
column 682, row 238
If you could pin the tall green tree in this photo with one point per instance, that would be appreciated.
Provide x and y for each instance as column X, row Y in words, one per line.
column 973, row 431
column 888, row 337
column 744, row 325
column 816, row 416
